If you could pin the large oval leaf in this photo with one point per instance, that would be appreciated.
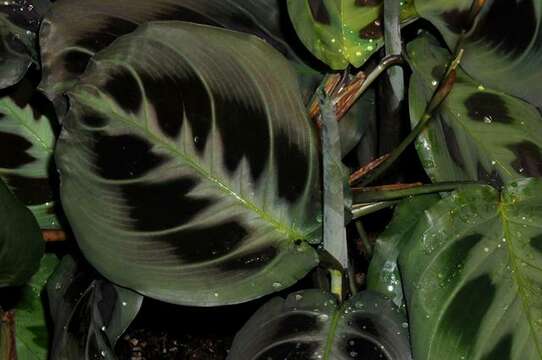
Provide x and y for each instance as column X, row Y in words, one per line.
column 189, row 169
column 89, row 314
column 27, row 142
column 477, row 133
column 309, row 325
column 19, row 22
column 21, row 244
column 472, row 273
column 342, row 32
column 75, row 30
column 503, row 49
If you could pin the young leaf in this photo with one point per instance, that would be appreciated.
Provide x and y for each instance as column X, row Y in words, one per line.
column 502, row 50
column 472, row 274
column 309, row 325
column 192, row 175
column 383, row 275
column 21, row 244
column 19, row 22
column 89, row 314
column 478, row 133
column 32, row 334
column 27, row 142
column 74, row 30
column 342, row 32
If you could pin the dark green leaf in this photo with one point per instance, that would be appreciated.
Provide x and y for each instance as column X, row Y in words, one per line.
column 89, row 314
column 21, row 244
column 19, row 22
column 502, row 50
column 342, row 32
column 477, row 133
column 27, row 142
column 206, row 190
column 472, row 275
column 383, row 275
column 309, row 325
column 32, row 334
column 75, row 30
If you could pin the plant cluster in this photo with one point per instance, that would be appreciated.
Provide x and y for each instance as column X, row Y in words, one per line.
column 212, row 152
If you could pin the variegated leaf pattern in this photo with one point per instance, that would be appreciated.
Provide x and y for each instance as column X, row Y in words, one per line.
column 27, row 140
column 309, row 325
column 478, row 133
column 502, row 49
column 342, row 32
column 472, row 274
column 89, row 313
column 19, row 22
column 74, row 30
column 189, row 168
column 31, row 327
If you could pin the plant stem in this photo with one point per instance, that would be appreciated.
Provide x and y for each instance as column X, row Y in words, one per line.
column 367, row 168
column 364, row 209
column 438, row 97
column 369, row 195
column 336, row 283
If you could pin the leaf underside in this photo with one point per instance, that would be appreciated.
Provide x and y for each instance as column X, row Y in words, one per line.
column 309, row 325
column 478, row 133
column 197, row 169
column 472, row 273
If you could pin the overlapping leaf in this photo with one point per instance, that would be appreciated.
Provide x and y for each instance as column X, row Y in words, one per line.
column 21, row 244
column 383, row 275
column 341, row 32
column 309, row 325
column 26, row 149
column 191, row 175
column 32, row 333
column 19, row 22
column 89, row 313
column 502, row 50
column 75, row 30
column 472, row 274
column 477, row 133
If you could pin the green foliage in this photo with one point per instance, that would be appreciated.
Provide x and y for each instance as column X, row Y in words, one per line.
column 472, row 274
column 202, row 214
column 478, row 133
column 28, row 140
column 21, row 244
column 89, row 313
column 311, row 325
column 341, row 32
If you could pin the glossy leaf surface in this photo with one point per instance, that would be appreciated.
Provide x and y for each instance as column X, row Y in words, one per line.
column 309, row 325
column 19, row 22
column 383, row 275
column 75, row 30
column 32, row 334
column 27, row 142
column 341, row 32
column 89, row 313
column 502, row 50
column 477, row 133
column 198, row 169
column 472, row 274
column 21, row 244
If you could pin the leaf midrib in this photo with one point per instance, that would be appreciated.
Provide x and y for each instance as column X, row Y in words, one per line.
column 291, row 233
